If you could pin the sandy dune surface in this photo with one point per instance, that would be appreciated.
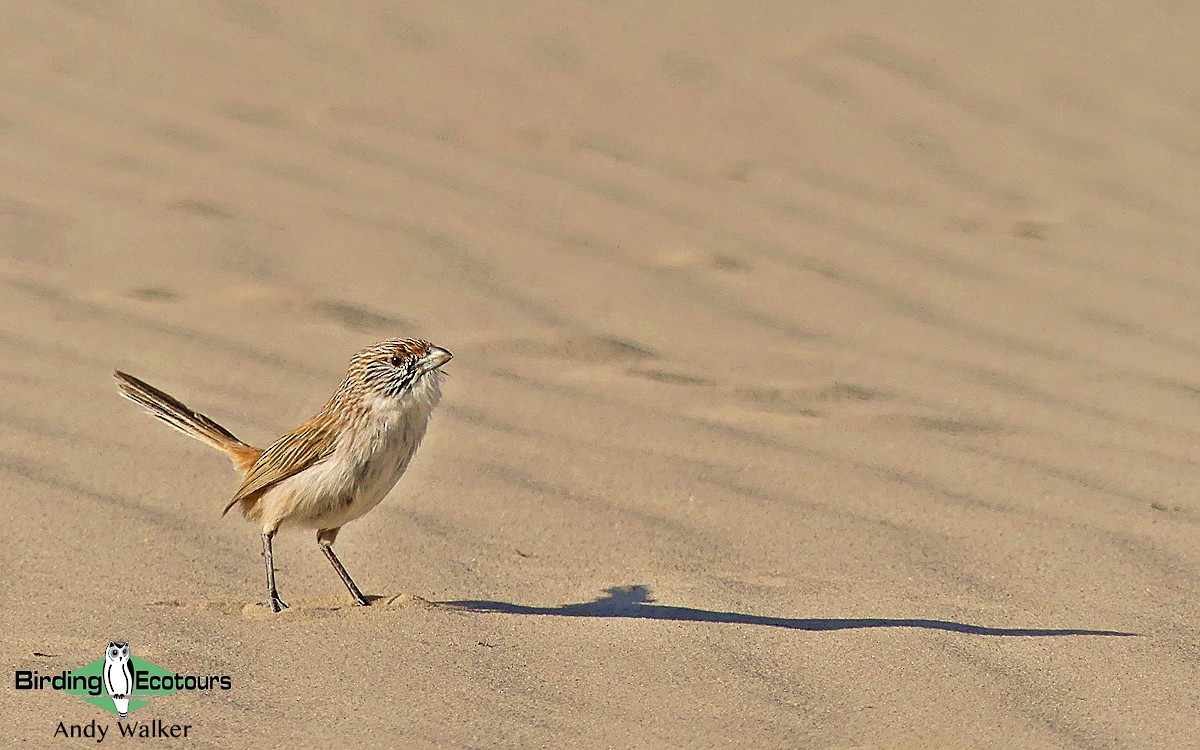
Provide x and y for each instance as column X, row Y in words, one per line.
column 824, row 377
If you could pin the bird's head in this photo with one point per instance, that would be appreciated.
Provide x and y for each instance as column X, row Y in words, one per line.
column 398, row 370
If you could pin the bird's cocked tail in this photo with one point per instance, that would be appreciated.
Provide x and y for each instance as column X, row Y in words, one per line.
column 174, row 412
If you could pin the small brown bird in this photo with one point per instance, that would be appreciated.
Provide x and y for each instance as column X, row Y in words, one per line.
column 338, row 465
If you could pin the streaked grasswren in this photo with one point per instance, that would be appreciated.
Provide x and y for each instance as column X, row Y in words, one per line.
column 338, row 465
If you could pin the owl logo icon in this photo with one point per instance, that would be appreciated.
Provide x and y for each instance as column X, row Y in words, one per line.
column 118, row 676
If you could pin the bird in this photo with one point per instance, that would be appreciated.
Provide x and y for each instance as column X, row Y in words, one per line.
column 118, row 677
column 336, row 466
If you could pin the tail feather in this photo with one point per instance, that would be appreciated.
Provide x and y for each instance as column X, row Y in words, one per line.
column 167, row 408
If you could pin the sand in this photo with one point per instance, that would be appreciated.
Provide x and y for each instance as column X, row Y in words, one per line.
column 825, row 377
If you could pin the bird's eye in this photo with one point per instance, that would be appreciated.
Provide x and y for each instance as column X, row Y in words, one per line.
column 113, row 653
column 396, row 361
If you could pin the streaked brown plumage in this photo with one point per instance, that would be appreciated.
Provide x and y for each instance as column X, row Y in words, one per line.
column 336, row 466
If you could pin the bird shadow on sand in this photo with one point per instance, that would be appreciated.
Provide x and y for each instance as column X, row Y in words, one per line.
column 635, row 602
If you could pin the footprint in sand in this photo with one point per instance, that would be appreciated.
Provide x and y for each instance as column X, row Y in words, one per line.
column 334, row 605
column 302, row 608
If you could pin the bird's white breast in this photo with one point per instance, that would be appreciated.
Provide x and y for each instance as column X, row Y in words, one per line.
column 118, row 679
column 368, row 460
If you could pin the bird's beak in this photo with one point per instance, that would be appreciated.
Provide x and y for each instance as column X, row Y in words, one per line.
column 436, row 357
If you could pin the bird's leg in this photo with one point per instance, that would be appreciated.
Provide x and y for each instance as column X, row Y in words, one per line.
column 277, row 604
column 325, row 538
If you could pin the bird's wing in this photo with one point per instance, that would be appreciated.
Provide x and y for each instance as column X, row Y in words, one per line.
column 289, row 455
